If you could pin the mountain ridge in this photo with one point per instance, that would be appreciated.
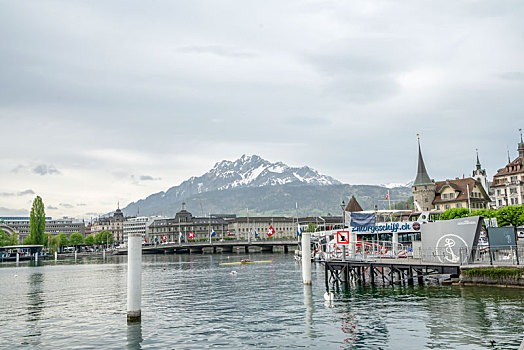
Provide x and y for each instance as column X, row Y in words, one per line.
column 264, row 187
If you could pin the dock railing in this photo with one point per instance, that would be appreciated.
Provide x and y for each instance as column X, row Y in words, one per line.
column 481, row 255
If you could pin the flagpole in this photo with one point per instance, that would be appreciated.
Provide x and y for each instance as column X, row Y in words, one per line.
column 248, row 235
column 296, row 207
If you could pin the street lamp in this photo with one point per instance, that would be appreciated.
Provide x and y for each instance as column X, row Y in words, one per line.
column 343, row 207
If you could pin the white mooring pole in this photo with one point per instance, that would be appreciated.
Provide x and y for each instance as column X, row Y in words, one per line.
column 134, row 277
column 75, row 255
column 56, row 256
column 36, row 257
column 17, row 257
column 306, row 257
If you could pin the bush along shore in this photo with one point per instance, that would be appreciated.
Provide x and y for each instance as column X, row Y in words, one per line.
column 500, row 276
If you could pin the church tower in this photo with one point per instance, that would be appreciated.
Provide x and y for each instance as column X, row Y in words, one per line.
column 423, row 188
column 479, row 174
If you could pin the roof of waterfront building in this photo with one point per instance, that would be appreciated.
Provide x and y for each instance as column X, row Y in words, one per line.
column 263, row 218
column 353, row 205
column 461, row 186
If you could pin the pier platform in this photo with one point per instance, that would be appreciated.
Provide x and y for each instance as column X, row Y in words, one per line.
column 385, row 271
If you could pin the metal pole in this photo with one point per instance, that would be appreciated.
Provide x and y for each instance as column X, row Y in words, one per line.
column 134, row 278
column 469, row 202
column 248, row 232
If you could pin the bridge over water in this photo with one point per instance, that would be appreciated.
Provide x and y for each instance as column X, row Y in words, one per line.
column 229, row 246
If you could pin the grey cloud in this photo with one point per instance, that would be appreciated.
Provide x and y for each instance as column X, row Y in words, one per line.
column 81, row 205
column 148, row 178
column 308, row 121
column 50, row 207
column 216, row 50
column 23, row 193
column 91, row 213
column 19, row 194
column 519, row 76
column 14, row 212
column 66, row 205
column 137, row 179
column 44, row 169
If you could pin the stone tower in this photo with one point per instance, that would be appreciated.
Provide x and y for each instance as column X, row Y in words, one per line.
column 479, row 174
column 423, row 188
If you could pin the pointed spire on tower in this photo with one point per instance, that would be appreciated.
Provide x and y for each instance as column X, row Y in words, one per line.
column 422, row 175
column 478, row 161
column 521, row 145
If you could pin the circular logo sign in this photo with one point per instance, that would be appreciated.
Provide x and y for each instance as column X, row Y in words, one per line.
column 416, row 226
column 451, row 248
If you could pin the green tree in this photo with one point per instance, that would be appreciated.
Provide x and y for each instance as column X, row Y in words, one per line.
column 103, row 237
column 454, row 213
column 76, row 239
column 28, row 240
column 486, row 213
column 510, row 216
column 90, row 240
column 63, row 239
column 6, row 239
column 54, row 243
column 311, row 227
column 402, row 204
column 46, row 239
column 37, row 221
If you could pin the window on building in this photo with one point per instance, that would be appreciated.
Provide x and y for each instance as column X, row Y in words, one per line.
column 451, row 195
column 498, row 192
column 438, row 207
column 447, row 206
column 458, row 205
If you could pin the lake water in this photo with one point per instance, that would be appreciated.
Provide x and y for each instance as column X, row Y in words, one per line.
column 189, row 301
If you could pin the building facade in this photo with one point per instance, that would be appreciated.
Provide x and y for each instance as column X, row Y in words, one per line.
column 183, row 224
column 508, row 182
column 139, row 225
column 20, row 224
column 249, row 228
column 113, row 224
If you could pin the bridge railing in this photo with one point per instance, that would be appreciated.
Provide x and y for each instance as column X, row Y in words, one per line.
column 227, row 241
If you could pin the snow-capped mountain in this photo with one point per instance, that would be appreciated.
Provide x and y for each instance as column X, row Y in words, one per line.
column 247, row 171
column 397, row 184
column 257, row 172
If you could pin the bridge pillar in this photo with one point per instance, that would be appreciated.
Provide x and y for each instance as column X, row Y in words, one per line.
column 278, row 249
column 254, row 249
column 239, row 249
column 208, row 250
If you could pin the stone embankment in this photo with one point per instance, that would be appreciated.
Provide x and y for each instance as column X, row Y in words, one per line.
column 499, row 276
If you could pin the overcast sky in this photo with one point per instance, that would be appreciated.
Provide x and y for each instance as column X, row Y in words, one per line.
column 107, row 101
